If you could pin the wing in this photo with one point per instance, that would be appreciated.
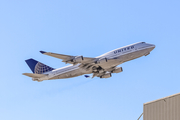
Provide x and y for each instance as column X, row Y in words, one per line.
column 87, row 63
column 68, row 58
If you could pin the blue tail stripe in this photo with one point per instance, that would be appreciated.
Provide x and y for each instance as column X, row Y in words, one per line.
column 31, row 63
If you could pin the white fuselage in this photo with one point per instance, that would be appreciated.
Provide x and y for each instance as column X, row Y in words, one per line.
column 116, row 57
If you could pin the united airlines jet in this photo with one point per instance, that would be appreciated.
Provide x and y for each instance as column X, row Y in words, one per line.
column 102, row 66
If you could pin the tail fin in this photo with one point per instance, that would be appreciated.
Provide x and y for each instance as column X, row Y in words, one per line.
column 38, row 67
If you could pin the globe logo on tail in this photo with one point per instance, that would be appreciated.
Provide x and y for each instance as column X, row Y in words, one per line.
column 40, row 68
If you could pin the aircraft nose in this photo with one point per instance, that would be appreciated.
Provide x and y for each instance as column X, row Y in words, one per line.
column 151, row 45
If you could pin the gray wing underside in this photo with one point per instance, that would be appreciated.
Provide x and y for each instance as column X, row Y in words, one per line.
column 67, row 58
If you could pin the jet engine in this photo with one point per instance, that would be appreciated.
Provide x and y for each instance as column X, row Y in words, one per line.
column 107, row 75
column 102, row 61
column 78, row 59
column 117, row 70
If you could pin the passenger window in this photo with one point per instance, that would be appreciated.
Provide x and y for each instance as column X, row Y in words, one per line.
column 132, row 47
column 124, row 48
column 119, row 50
column 128, row 48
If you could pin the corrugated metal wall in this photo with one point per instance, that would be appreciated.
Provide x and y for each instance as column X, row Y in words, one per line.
column 163, row 109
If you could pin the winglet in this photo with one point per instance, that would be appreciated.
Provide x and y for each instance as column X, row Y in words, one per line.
column 42, row 52
column 87, row 76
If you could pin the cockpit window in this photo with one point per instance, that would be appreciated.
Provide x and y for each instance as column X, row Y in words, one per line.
column 143, row 42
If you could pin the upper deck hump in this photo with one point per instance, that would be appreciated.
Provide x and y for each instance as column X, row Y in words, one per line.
column 118, row 49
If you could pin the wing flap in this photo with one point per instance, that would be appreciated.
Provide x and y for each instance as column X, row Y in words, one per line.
column 34, row 75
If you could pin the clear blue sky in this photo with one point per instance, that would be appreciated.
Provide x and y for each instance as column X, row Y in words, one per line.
column 89, row 28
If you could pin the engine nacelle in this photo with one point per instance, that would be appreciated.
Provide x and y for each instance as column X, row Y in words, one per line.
column 102, row 61
column 117, row 70
column 108, row 75
column 78, row 59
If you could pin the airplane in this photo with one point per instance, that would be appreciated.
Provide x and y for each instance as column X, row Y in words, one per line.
column 102, row 66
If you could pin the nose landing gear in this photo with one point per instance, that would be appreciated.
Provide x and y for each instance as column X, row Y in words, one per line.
column 147, row 54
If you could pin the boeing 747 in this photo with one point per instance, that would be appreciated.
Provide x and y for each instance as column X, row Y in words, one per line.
column 102, row 66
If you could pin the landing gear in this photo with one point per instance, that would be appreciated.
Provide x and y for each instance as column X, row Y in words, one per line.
column 147, row 54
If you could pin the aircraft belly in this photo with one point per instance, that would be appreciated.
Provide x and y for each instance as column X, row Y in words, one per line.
column 70, row 74
column 111, row 64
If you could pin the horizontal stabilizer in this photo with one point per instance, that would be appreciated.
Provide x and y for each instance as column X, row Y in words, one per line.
column 35, row 75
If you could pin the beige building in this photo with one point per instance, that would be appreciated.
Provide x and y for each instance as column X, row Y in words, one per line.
column 167, row 108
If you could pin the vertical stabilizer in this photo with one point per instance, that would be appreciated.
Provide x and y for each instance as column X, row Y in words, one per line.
column 38, row 67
